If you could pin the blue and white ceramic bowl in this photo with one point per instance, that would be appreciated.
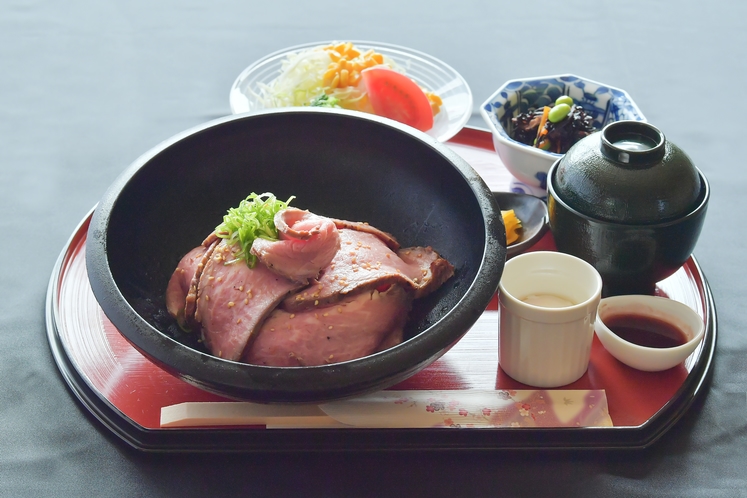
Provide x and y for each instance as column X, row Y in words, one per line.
column 529, row 164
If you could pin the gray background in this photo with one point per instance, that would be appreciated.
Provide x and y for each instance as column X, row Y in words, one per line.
column 87, row 86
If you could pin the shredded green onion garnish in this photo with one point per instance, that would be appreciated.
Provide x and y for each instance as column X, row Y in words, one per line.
column 253, row 218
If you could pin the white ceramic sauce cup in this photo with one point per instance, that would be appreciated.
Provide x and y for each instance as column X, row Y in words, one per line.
column 649, row 359
column 548, row 305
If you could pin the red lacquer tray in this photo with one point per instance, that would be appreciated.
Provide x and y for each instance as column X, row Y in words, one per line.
column 126, row 392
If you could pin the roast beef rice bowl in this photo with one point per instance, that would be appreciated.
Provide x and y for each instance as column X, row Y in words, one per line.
column 275, row 285
column 419, row 219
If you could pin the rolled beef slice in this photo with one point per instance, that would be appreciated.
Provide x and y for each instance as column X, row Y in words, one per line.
column 307, row 243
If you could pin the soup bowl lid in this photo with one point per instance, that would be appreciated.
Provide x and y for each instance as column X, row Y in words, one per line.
column 627, row 173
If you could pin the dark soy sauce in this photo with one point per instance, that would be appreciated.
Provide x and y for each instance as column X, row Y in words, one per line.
column 646, row 331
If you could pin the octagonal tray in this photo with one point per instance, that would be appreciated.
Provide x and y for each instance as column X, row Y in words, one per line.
column 125, row 391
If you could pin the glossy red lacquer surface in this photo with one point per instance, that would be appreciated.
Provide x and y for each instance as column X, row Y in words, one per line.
column 138, row 389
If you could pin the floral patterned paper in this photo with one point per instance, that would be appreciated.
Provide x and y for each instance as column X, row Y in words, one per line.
column 408, row 409
column 474, row 408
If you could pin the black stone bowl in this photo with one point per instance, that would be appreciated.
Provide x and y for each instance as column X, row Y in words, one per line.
column 631, row 258
column 337, row 163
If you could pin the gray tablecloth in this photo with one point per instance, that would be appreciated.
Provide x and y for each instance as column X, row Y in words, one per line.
column 86, row 87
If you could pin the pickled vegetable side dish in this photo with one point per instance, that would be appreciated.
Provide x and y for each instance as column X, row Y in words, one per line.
column 513, row 226
column 553, row 128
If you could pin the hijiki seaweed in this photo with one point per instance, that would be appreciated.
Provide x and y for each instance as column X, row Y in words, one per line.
column 555, row 137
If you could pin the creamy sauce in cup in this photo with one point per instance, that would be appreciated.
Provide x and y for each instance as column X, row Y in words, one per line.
column 547, row 301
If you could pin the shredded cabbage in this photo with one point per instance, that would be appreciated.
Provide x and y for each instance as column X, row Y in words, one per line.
column 301, row 80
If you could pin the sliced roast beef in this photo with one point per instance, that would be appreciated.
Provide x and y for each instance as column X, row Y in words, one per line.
column 190, row 307
column 357, row 326
column 307, row 243
column 181, row 292
column 327, row 291
column 178, row 287
column 434, row 269
column 360, row 226
column 234, row 299
column 364, row 262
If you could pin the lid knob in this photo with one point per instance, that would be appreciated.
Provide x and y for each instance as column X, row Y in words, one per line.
column 632, row 142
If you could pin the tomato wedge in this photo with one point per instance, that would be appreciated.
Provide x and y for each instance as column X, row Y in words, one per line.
column 395, row 96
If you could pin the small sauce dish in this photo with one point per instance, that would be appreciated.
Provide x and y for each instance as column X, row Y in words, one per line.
column 648, row 333
column 531, row 211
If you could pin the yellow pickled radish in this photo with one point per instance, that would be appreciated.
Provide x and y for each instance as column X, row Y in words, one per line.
column 513, row 226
